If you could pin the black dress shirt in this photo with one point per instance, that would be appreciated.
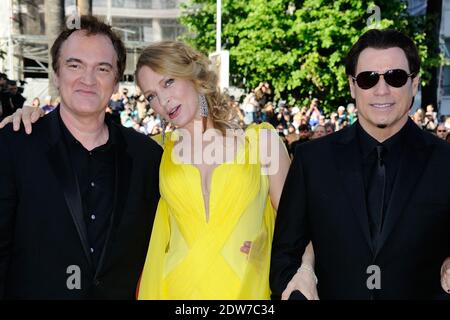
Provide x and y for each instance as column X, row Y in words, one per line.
column 392, row 157
column 95, row 171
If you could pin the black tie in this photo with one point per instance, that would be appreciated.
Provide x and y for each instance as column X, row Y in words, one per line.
column 375, row 198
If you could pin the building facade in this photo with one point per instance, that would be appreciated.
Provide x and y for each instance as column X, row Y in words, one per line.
column 139, row 22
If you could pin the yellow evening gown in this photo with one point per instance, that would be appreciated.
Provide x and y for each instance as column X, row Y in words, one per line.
column 190, row 258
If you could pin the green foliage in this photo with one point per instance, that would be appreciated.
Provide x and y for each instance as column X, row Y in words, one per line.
column 301, row 53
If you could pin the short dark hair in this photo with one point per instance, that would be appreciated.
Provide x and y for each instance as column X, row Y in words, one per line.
column 3, row 76
column 329, row 124
column 92, row 26
column 383, row 39
column 303, row 127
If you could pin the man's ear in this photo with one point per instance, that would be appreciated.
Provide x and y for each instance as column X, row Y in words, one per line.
column 352, row 86
column 415, row 84
column 56, row 80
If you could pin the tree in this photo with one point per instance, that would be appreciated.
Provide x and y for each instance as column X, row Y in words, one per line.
column 54, row 23
column 85, row 7
column 298, row 46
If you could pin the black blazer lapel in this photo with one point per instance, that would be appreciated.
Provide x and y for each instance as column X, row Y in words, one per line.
column 123, row 169
column 61, row 166
column 346, row 152
column 414, row 159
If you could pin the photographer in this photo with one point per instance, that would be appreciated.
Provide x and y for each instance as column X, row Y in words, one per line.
column 429, row 122
column 11, row 98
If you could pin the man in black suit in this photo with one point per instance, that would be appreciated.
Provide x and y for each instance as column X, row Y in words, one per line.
column 379, row 228
column 78, row 195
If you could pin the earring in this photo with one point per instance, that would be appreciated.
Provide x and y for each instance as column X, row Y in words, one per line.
column 203, row 106
column 163, row 128
column 203, row 110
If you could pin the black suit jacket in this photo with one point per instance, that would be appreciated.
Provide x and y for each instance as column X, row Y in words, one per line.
column 42, row 230
column 323, row 200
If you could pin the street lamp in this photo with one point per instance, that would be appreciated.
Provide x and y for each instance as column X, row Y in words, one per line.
column 108, row 12
column 220, row 58
column 219, row 25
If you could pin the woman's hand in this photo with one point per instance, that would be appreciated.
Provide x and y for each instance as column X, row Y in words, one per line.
column 26, row 115
column 304, row 281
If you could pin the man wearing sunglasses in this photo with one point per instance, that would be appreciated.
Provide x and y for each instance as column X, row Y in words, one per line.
column 379, row 229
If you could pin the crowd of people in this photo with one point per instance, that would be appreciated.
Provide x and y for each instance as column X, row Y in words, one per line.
column 11, row 97
column 295, row 124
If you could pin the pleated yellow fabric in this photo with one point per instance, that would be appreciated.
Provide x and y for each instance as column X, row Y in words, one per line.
column 191, row 258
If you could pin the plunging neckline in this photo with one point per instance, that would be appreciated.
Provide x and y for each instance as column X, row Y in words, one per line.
column 206, row 209
column 206, row 205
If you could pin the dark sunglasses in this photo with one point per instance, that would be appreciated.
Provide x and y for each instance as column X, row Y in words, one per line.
column 395, row 78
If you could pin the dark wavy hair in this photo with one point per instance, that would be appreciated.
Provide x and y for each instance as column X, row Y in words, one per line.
column 92, row 26
column 383, row 39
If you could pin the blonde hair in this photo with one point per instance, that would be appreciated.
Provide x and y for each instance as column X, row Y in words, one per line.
column 178, row 60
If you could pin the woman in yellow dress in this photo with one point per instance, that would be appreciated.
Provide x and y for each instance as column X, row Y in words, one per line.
column 212, row 234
